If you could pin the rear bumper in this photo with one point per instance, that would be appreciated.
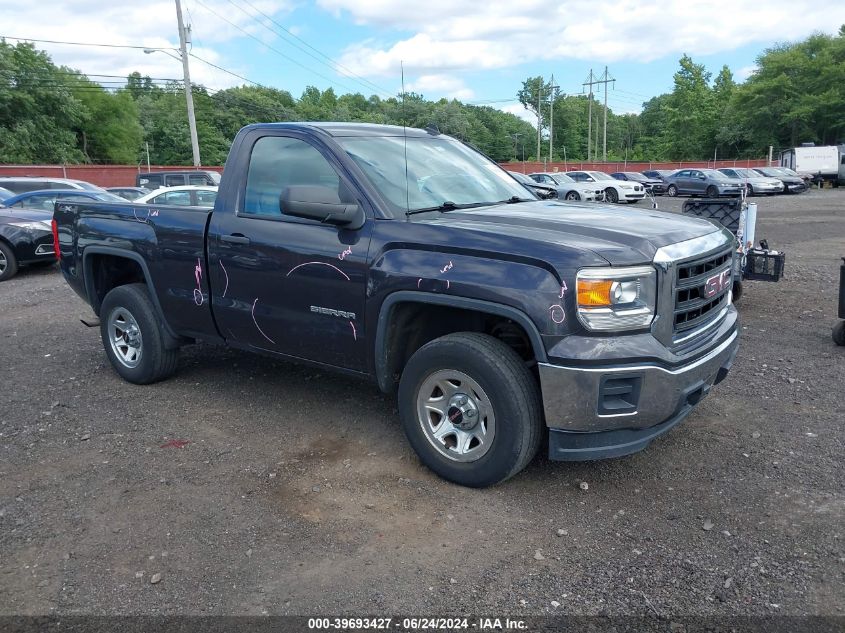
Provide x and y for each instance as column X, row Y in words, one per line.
column 616, row 409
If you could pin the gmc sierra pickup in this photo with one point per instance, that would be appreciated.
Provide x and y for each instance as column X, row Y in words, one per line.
column 407, row 257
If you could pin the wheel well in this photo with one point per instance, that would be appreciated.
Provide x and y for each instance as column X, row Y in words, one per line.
column 109, row 271
column 412, row 325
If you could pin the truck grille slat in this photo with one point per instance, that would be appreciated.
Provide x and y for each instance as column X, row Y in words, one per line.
column 692, row 308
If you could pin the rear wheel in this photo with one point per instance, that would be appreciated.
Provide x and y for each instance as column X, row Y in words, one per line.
column 572, row 195
column 133, row 336
column 8, row 262
column 471, row 409
column 610, row 195
column 672, row 191
column 712, row 191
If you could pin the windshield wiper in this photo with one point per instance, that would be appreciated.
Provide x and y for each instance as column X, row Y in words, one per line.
column 449, row 206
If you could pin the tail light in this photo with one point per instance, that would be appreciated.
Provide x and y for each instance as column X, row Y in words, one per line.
column 56, row 239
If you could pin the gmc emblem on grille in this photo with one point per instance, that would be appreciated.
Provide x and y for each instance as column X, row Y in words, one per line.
column 717, row 283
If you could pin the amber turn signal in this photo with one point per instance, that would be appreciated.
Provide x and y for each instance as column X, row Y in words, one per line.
column 594, row 292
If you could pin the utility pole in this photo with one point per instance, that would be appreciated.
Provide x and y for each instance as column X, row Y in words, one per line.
column 605, row 79
column 552, row 97
column 539, row 116
column 192, row 122
column 590, row 80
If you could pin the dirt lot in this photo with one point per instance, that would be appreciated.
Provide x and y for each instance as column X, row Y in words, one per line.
column 297, row 493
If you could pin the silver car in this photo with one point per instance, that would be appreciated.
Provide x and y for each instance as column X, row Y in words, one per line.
column 568, row 189
column 703, row 182
column 755, row 183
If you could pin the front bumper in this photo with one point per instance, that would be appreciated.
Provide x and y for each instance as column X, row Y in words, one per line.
column 609, row 410
column 633, row 195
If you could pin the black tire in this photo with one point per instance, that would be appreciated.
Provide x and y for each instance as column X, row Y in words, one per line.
column 736, row 291
column 514, row 399
column 712, row 191
column 610, row 195
column 672, row 191
column 8, row 262
column 749, row 191
column 839, row 333
column 572, row 195
column 155, row 361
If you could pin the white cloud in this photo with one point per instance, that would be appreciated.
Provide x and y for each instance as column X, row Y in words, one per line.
column 151, row 24
column 448, row 35
column 519, row 110
column 745, row 72
column 434, row 86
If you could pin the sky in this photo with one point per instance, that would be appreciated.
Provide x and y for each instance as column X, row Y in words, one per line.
column 478, row 51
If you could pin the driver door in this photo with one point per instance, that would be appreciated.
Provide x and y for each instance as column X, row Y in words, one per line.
column 286, row 284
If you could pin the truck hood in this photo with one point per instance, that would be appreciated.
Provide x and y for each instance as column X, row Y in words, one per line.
column 622, row 236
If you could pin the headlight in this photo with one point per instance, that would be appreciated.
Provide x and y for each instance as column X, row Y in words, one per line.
column 32, row 226
column 616, row 298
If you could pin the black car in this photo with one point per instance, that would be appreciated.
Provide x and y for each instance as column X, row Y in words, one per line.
column 543, row 191
column 157, row 179
column 658, row 174
column 792, row 182
column 26, row 239
column 130, row 193
column 654, row 186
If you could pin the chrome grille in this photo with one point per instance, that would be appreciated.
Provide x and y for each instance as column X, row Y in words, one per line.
column 693, row 310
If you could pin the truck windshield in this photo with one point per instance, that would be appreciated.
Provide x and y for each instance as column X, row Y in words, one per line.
column 439, row 170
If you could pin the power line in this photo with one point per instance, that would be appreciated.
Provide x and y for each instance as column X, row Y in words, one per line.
column 275, row 50
column 29, row 39
column 234, row 74
column 334, row 65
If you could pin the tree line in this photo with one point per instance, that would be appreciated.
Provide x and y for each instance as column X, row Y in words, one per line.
column 55, row 114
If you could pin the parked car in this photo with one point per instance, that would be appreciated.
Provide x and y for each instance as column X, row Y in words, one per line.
column 614, row 190
column 792, row 182
column 484, row 312
column 703, row 182
column 567, row 188
column 45, row 200
column 658, row 174
column 755, row 183
column 545, row 192
column 186, row 196
column 24, row 184
column 4, row 194
column 26, row 239
column 653, row 186
column 129, row 193
column 158, row 179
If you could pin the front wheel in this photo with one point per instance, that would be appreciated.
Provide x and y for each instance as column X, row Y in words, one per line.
column 712, row 191
column 8, row 262
column 610, row 195
column 839, row 333
column 471, row 409
column 749, row 191
column 133, row 336
column 672, row 191
column 572, row 195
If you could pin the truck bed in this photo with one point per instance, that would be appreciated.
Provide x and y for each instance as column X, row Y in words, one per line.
column 166, row 241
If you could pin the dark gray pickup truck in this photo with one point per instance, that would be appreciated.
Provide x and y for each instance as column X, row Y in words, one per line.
column 409, row 258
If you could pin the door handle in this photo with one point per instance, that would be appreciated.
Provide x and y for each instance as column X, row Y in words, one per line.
column 235, row 238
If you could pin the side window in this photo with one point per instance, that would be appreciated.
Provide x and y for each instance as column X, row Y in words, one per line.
column 206, row 198
column 150, row 181
column 278, row 162
column 180, row 198
column 198, row 179
column 172, row 180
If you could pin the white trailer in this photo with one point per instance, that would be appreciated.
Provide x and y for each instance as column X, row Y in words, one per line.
column 822, row 162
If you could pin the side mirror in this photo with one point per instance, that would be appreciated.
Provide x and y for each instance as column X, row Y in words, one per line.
column 320, row 203
column 702, row 177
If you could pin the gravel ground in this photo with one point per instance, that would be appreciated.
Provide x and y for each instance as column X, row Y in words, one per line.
column 297, row 493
